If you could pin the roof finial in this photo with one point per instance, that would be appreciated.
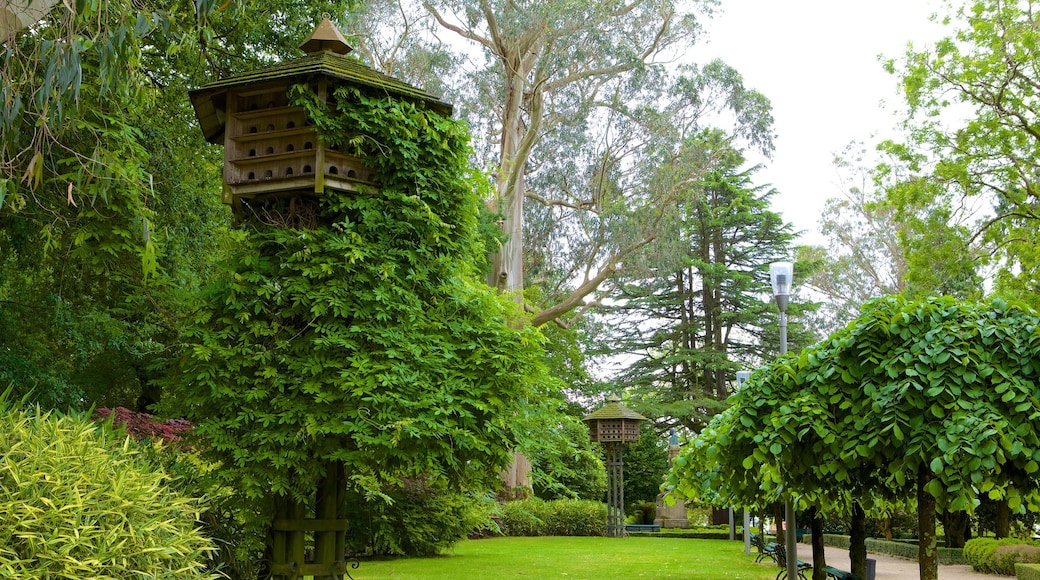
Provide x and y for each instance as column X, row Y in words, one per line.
column 325, row 38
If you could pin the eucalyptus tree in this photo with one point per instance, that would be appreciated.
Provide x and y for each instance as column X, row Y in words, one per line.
column 569, row 102
column 936, row 394
column 694, row 306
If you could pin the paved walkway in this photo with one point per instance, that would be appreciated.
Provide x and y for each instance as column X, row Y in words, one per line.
column 890, row 568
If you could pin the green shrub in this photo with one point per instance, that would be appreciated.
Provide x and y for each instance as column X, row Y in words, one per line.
column 1005, row 557
column 236, row 524
column 1027, row 571
column 81, row 501
column 981, row 553
column 978, row 550
column 421, row 519
column 700, row 533
column 947, row 556
column 562, row 517
column 519, row 519
column 576, row 518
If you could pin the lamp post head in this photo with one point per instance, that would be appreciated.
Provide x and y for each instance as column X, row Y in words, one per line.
column 742, row 377
column 781, row 274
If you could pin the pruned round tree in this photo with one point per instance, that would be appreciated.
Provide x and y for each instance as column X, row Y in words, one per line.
column 935, row 393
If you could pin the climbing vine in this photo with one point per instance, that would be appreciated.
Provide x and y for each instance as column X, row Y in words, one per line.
column 369, row 339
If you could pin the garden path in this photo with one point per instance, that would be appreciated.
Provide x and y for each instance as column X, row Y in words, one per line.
column 891, row 568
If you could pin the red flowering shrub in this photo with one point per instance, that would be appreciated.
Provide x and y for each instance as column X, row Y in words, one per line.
column 143, row 425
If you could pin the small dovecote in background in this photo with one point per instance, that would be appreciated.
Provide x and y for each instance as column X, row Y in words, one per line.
column 270, row 148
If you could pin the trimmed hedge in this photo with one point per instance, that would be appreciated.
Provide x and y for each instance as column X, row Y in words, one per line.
column 992, row 556
column 561, row 517
column 699, row 534
column 1027, row 571
column 906, row 550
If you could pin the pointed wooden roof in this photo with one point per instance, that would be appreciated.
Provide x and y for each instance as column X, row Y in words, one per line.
column 326, row 57
column 326, row 37
column 614, row 410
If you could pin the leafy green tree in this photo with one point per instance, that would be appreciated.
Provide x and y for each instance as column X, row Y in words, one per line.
column 933, row 392
column 694, row 312
column 972, row 124
column 566, row 464
column 891, row 231
column 109, row 219
column 646, row 462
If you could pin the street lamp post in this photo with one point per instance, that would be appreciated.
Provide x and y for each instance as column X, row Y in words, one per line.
column 780, row 274
column 742, row 377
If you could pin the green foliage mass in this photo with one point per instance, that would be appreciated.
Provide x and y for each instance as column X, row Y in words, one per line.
column 110, row 212
column 422, row 519
column 367, row 340
column 982, row 70
column 993, row 556
column 83, row 501
column 646, row 462
column 565, row 463
column 561, row 517
column 935, row 383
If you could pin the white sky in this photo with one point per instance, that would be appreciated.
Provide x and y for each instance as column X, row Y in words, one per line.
column 817, row 62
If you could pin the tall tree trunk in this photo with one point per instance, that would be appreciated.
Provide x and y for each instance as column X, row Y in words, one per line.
column 778, row 518
column 507, row 264
column 1002, row 525
column 858, row 541
column 927, row 551
column 955, row 524
column 718, row 344
column 819, row 556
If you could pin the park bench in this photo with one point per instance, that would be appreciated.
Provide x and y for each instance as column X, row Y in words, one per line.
column 837, row 574
column 765, row 551
column 642, row 528
column 781, row 560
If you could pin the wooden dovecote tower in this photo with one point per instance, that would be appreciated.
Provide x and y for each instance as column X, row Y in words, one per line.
column 275, row 160
column 271, row 151
column 614, row 425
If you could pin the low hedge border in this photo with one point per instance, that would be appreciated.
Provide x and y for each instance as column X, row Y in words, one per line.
column 947, row 556
column 1027, row 571
column 698, row 535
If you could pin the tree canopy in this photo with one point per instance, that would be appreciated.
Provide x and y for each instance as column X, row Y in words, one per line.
column 935, row 392
column 692, row 310
column 972, row 125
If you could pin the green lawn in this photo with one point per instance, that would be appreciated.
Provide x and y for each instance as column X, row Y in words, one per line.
column 578, row 558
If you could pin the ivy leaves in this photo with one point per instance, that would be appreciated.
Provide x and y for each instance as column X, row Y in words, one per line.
column 369, row 340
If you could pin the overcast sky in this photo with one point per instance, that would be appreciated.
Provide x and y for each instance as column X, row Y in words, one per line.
column 817, row 61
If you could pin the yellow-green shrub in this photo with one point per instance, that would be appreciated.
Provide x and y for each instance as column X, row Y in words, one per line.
column 80, row 501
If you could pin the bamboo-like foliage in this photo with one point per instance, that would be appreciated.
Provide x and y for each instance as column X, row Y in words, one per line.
column 82, row 501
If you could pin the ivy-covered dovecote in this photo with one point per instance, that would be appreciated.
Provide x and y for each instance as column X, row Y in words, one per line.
column 270, row 147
